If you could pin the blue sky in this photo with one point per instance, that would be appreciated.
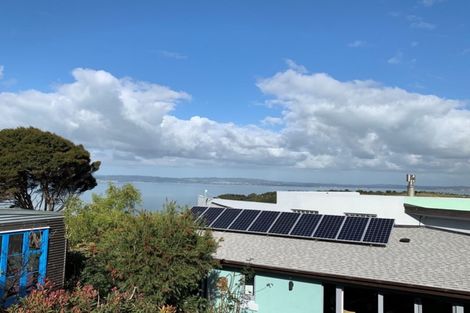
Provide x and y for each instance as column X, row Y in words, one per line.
column 240, row 67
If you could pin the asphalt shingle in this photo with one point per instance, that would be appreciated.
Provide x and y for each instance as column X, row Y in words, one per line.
column 433, row 258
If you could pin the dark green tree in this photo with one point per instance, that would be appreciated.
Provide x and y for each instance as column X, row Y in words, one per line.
column 41, row 170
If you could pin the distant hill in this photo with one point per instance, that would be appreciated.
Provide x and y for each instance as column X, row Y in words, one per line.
column 363, row 188
column 267, row 197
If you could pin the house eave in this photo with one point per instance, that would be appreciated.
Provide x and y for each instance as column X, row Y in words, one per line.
column 355, row 281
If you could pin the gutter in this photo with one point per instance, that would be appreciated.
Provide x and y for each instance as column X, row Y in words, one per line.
column 434, row 212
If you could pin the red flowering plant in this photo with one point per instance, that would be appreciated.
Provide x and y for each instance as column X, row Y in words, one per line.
column 46, row 299
column 82, row 299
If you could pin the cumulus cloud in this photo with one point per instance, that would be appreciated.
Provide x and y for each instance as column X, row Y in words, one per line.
column 131, row 120
column 361, row 124
column 430, row 3
column 1, row 71
column 418, row 22
column 396, row 59
column 271, row 121
column 325, row 123
column 296, row 67
column 357, row 44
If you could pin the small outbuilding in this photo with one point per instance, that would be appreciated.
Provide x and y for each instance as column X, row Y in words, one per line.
column 33, row 249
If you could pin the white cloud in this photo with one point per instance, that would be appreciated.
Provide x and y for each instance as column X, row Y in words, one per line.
column 271, row 121
column 430, row 3
column 418, row 22
column 296, row 67
column 172, row 55
column 127, row 119
column 1, row 71
column 361, row 124
column 325, row 123
column 396, row 59
column 357, row 44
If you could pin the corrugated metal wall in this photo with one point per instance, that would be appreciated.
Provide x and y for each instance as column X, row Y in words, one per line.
column 57, row 245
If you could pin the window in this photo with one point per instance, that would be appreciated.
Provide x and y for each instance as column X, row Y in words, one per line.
column 249, row 283
column 23, row 261
column 436, row 305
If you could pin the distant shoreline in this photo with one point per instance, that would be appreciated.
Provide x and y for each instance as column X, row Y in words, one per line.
column 261, row 182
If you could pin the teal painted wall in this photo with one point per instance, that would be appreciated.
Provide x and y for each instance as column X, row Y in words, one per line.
column 272, row 294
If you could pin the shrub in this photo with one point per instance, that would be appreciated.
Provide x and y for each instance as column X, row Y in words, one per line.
column 81, row 299
column 161, row 255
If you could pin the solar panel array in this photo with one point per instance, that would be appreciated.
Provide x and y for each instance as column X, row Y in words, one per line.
column 365, row 230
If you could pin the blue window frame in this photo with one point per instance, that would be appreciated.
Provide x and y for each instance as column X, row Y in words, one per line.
column 23, row 262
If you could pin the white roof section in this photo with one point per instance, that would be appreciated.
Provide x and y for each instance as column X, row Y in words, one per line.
column 339, row 203
column 246, row 205
column 327, row 202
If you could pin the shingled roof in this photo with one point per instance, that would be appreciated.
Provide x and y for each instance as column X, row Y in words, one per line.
column 434, row 261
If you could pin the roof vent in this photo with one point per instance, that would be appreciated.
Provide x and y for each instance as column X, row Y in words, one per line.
column 406, row 240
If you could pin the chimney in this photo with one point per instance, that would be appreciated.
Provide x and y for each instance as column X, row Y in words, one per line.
column 411, row 179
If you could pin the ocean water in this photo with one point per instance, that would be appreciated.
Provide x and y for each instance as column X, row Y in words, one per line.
column 154, row 195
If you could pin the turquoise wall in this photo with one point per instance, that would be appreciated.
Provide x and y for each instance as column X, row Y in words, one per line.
column 272, row 294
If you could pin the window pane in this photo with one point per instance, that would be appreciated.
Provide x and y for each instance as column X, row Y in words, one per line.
column 14, row 265
column 399, row 303
column 33, row 264
column 35, row 240
column 12, row 287
column 15, row 244
column 32, row 280
column 436, row 305
column 360, row 300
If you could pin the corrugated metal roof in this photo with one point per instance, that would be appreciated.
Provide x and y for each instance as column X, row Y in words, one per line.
column 21, row 215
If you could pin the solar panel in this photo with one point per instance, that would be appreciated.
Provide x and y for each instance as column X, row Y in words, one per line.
column 379, row 230
column 210, row 215
column 353, row 228
column 197, row 211
column 329, row 226
column 244, row 220
column 264, row 221
column 284, row 223
column 226, row 218
column 306, row 225
column 356, row 229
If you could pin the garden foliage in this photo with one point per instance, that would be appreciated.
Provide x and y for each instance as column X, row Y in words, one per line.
column 161, row 255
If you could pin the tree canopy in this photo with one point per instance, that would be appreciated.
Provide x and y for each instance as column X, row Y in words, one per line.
column 269, row 197
column 41, row 170
column 160, row 255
